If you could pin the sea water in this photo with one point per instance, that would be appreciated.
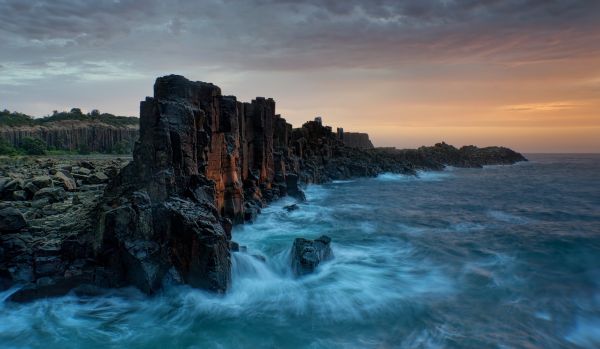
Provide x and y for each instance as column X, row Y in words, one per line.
column 499, row 257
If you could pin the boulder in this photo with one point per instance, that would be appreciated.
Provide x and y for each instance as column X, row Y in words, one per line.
column 20, row 195
column 66, row 180
column 308, row 254
column 52, row 194
column 292, row 207
column 42, row 181
column 31, row 188
column 97, row 178
column 11, row 220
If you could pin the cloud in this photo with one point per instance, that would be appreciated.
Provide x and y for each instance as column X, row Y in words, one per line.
column 545, row 107
column 17, row 74
column 299, row 35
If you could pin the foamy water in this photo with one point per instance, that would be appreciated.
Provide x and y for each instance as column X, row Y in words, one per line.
column 501, row 257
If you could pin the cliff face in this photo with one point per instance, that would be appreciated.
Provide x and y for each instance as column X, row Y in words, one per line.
column 357, row 140
column 73, row 135
column 203, row 161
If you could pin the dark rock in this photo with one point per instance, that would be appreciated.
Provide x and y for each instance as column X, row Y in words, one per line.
column 20, row 195
column 260, row 257
column 203, row 162
column 308, row 254
column 31, row 189
column 234, row 246
column 97, row 178
column 87, row 164
column 42, row 181
column 11, row 220
column 52, row 194
column 292, row 207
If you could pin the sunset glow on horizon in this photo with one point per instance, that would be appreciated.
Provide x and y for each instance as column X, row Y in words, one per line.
column 518, row 73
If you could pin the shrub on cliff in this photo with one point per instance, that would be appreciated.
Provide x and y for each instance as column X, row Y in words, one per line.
column 11, row 119
column 33, row 146
column 6, row 148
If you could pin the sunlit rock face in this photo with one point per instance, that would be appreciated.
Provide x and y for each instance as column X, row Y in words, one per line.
column 202, row 161
column 162, row 214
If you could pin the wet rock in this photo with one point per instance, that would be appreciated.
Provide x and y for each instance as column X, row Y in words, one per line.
column 308, row 254
column 51, row 194
column 11, row 220
column 292, row 207
column 234, row 246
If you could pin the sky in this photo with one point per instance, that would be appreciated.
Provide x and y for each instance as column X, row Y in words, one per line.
column 518, row 73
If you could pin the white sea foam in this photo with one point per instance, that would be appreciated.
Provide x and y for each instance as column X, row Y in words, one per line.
column 507, row 217
column 425, row 176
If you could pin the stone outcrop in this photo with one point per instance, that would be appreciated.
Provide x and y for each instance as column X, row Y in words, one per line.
column 203, row 162
column 74, row 135
column 308, row 254
column 357, row 140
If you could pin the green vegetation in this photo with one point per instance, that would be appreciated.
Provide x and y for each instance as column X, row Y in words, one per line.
column 11, row 119
column 6, row 148
column 33, row 146
column 122, row 147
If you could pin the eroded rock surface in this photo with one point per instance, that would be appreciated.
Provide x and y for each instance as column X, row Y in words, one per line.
column 203, row 162
column 308, row 254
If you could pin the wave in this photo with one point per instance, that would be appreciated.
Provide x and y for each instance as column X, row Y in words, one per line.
column 426, row 176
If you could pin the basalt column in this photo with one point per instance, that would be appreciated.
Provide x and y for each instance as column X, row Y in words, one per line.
column 159, row 216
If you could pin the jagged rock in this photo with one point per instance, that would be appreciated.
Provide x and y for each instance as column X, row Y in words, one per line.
column 203, row 162
column 73, row 135
column 11, row 220
column 31, row 189
column 308, row 254
column 66, row 180
column 51, row 194
column 234, row 246
column 20, row 195
column 42, row 181
column 292, row 207
column 97, row 178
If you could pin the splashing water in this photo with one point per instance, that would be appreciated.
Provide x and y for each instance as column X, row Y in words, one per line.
column 504, row 257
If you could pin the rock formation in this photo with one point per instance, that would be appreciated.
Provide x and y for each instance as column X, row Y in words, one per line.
column 203, row 162
column 74, row 135
column 308, row 254
column 357, row 140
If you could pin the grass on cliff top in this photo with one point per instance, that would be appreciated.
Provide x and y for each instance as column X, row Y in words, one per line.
column 13, row 119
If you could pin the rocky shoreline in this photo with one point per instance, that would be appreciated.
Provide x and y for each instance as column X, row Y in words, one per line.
column 203, row 162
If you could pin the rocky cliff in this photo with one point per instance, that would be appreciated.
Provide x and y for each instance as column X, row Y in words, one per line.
column 357, row 140
column 203, row 161
column 94, row 136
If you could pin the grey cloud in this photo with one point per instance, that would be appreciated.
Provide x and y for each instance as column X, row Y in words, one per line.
column 292, row 35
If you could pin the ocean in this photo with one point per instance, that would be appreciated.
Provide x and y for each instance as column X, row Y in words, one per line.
column 499, row 257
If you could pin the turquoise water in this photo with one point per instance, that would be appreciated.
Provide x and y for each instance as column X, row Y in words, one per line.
column 500, row 257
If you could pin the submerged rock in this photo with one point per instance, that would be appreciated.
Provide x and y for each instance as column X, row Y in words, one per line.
column 308, row 254
column 292, row 207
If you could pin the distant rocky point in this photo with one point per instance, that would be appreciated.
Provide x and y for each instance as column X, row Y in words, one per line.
column 203, row 162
